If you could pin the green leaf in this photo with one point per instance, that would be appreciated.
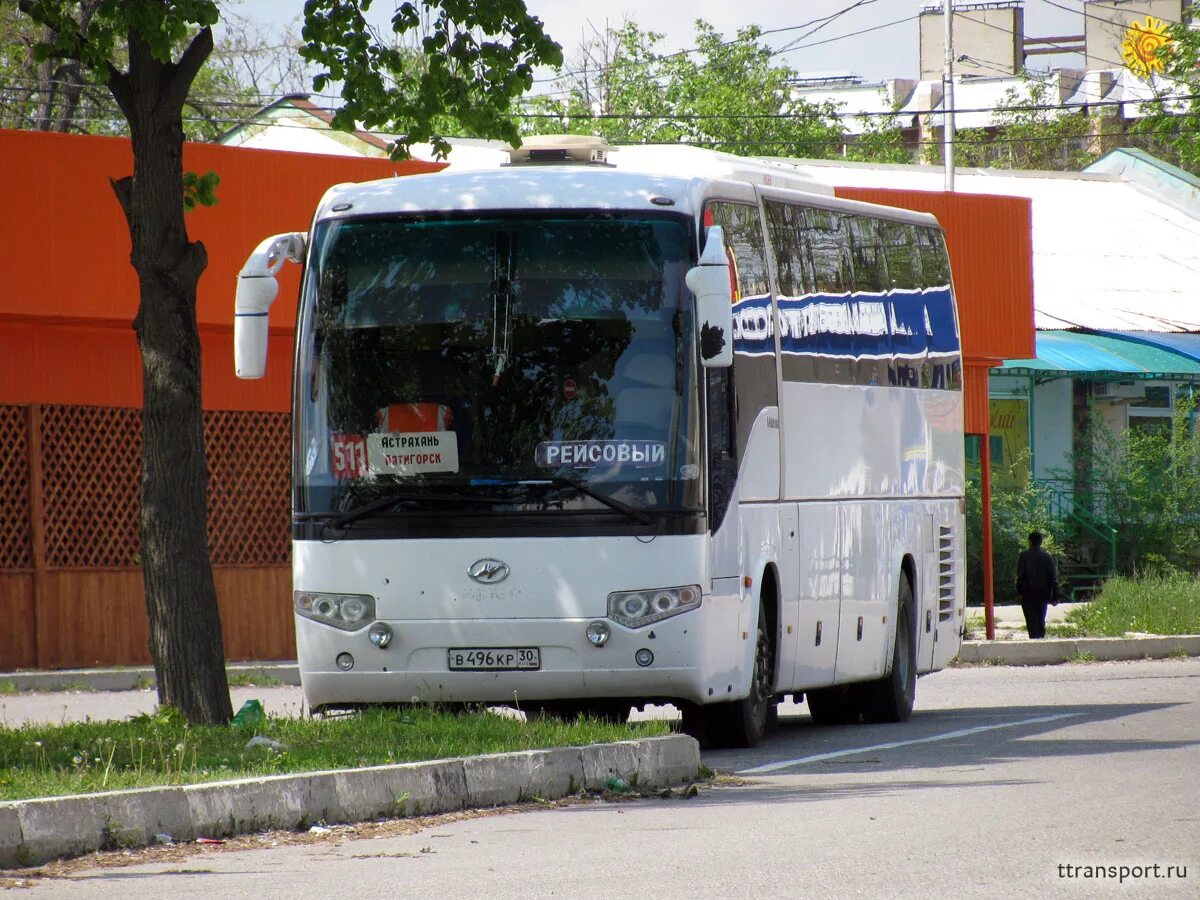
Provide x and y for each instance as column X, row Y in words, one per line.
column 200, row 190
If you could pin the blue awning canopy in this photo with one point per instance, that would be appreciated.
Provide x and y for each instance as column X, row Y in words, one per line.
column 1184, row 343
column 1105, row 357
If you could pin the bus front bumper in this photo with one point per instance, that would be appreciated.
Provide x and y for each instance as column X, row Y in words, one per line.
column 684, row 662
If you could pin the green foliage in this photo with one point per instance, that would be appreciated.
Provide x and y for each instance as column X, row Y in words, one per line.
column 465, row 76
column 728, row 95
column 1150, row 604
column 200, row 190
column 1169, row 128
column 1016, row 511
column 162, row 748
column 1146, row 484
column 105, row 24
column 62, row 94
column 882, row 140
column 1027, row 135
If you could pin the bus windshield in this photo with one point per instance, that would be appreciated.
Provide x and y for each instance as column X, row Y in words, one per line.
column 515, row 364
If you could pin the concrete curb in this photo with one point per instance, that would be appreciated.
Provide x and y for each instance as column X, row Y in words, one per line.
column 1052, row 651
column 128, row 678
column 35, row 831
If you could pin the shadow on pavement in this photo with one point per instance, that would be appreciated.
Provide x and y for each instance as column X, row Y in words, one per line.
column 928, row 740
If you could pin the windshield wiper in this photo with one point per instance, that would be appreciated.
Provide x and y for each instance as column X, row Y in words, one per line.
column 381, row 504
column 584, row 488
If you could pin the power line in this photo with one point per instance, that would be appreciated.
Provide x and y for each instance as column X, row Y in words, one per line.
column 814, row 115
column 819, row 141
column 842, row 37
column 847, row 141
column 823, row 22
column 820, row 22
column 1032, row 107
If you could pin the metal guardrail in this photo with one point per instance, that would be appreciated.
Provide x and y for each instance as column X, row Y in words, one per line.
column 1062, row 505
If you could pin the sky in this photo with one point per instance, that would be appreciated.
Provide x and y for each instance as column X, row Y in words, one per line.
column 836, row 48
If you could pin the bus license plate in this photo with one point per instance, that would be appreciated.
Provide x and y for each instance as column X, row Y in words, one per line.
column 494, row 659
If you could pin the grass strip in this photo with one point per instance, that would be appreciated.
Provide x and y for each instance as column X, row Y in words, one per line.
column 1151, row 604
column 163, row 749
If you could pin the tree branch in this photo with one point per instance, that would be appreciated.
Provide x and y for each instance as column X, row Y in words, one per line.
column 188, row 67
column 122, row 90
column 123, row 188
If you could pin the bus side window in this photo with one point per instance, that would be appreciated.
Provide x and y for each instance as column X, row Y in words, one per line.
column 829, row 244
column 866, row 255
column 793, row 267
column 722, row 441
column 899, row 241
column 935, row 268
column 744, row 241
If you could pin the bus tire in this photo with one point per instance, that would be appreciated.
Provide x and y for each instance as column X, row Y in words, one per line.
column 890, row 699
column 743, row 723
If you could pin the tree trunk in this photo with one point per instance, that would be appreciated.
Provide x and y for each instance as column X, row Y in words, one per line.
column 181, row 602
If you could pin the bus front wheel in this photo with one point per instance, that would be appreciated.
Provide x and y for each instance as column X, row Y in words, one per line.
column 740, row 723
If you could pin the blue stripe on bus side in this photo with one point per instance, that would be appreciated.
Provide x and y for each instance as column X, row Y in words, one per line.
column 897, row 324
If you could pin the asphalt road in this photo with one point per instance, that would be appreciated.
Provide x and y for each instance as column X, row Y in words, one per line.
column 1072, row 781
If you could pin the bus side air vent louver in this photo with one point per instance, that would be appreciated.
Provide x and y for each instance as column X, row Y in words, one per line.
column 946, row 573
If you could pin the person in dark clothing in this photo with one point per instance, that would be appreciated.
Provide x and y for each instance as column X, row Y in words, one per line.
column 1037, row 584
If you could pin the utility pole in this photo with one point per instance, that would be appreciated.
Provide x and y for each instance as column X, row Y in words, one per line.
column 948, row 95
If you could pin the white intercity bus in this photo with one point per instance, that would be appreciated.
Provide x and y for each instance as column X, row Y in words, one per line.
column 595, row 428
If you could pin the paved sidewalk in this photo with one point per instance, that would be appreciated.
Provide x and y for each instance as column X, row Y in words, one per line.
column 1013, row 647
column 1010, row 620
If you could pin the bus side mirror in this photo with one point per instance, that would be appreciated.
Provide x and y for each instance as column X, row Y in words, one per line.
column 709, row 282
column 256, row 290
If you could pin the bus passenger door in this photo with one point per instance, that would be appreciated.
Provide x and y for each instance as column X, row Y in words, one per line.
column 869, row 586
column 789, row 594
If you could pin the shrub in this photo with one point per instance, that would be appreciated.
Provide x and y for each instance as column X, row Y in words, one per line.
column 1146, row 484
column 1016, row 511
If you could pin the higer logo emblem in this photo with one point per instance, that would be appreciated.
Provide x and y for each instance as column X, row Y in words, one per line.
column 488, row 571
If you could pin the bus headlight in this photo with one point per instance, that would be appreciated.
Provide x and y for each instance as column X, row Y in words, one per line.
column 634, row 609
column 348, row 612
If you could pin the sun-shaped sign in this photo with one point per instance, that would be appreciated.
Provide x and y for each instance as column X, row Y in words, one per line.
column 1140, row 46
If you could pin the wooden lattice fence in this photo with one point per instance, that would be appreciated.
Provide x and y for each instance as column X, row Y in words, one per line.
column 16, row 536
column 69, row 534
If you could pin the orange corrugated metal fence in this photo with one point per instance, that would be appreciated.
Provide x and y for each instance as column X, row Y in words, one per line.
column 67, row 250
column 70, row 388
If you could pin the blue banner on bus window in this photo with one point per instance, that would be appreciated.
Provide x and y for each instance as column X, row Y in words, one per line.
column 897, row 324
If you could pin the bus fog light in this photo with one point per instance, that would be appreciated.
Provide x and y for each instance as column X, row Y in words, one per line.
column 380, row 634
column 345, row 662
column 643, row 657
column 597, row 633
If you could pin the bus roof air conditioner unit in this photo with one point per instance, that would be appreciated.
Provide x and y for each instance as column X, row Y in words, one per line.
column 551, row 149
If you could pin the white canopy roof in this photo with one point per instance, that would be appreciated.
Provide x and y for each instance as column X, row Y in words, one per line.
column 1108, row 253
